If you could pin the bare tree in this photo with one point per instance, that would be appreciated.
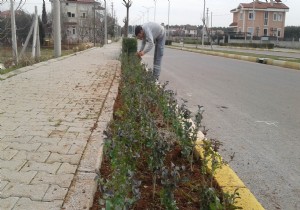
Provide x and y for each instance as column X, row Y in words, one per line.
column 127, row 4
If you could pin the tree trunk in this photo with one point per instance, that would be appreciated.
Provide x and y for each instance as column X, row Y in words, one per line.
column 126, row 23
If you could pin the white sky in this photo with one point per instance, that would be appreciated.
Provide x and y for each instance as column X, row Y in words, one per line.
column 181, row 11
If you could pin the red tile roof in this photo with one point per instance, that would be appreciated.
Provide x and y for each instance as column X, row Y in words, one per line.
column 264, row 5
column 234, row 24
column 86, row 1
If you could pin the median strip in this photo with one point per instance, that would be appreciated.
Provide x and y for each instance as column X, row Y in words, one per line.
column 268, row 61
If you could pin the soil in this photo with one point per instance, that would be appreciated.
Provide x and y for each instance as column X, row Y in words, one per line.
column 187, row 193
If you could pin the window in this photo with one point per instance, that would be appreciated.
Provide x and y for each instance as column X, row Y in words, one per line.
column 251, row 15
column 277, row 16
column 67, row 4
column 265, row 32
column 241, row 15
column 73, row 15
column 83, row 15
column 74, row 30
column 250, row 31
column 278, row 32
column 266, row 18
column 69, row 14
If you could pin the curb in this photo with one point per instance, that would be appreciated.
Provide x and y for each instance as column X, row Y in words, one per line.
column 82, row 191
column 229, row 182
column 285, row 64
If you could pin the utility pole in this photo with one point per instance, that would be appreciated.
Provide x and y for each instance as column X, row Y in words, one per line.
column 207, row 19
column 56, row 28
column 105, row 24
column 13, row 33
column 34, row 41
column 169, row 21
column 154, row 10
column 253, row 15
column 203, row 20
column 112, row 15
column 94, row 23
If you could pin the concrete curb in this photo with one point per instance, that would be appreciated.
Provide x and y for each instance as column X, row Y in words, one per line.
column 285, row 64
column 84, row 186
column 260, row 49
column 229, row 182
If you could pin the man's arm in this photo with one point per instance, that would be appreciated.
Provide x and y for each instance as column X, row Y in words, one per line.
column 143, row 45
column 149, row 39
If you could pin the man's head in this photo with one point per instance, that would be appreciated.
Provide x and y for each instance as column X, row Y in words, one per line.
column 139, row 32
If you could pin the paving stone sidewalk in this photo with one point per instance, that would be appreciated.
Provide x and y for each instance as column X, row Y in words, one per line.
column 52, row 116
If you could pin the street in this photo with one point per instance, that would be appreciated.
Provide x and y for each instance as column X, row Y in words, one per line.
column 254, row 110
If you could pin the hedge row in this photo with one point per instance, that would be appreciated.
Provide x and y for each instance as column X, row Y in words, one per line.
column 250, row 45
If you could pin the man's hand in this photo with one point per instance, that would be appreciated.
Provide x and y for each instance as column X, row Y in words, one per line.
column 141, row 53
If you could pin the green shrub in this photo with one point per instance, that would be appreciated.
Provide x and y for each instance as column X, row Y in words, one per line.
column 250, row 45
column 129, row 45
column 168, row 42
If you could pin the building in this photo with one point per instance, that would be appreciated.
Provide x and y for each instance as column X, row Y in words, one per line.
column 260, row 19
column 80, row 21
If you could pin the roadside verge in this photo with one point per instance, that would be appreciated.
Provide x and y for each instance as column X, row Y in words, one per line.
column 268, row 61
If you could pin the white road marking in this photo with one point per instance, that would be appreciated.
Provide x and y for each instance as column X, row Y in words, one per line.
column 269, row 123
column 189, row 94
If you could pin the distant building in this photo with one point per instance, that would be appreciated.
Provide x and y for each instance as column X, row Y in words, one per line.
column 191, row 30
column 260, row 18
column 79, row 19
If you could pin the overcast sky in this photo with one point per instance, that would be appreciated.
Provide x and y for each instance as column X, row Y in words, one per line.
column 181, row 11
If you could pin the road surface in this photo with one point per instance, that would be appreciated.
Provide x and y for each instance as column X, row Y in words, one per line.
column 254, row 110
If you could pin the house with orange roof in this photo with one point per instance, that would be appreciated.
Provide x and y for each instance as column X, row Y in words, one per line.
column 260, row 18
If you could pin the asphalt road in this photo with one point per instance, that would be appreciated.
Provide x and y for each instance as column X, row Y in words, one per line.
column 254, row 110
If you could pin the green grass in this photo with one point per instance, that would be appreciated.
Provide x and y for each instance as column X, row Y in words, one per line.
column 46, row 54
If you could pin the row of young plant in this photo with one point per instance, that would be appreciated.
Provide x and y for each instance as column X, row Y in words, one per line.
column 147, row 126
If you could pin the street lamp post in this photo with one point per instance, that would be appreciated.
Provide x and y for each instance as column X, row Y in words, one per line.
column 169, row 20
column 143, row 16
column 148, row 8
column 253, row 16
column 154, row 10
column 203, row 20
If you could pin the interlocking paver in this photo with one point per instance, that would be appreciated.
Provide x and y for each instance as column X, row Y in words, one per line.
column 2, row 185
column 55, row 192
column 26, row 203
column 50, row 168
column 8, row 154
column 67, row 168
column 12, row 164
column 72, row 159
column 34, row 192
column 8, row 203
column 17, row 176
column 60, row 148
column 47, row 115
column 33, row 156
column 62, row 180
column 27, row 147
